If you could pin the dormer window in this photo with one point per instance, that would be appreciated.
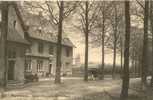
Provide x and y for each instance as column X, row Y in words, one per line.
column 51, row 50
column 39, row 30
column 40, row 47
column 14, row 23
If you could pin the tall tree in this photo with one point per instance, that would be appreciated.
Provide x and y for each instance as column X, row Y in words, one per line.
column 59, row 43
column 125, row 82
column 151, row 23
column 104, row 7
column 86, row 41
column 115, row 41
column 145, row 45
column 117, row 25
column 88, row 14
column 56, row 19
column 121, row 53
column 4, row 31
column 3, row 41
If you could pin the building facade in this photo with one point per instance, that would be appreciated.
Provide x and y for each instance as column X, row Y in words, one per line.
column 41, row 55
column 32, row 50
column 16, row 45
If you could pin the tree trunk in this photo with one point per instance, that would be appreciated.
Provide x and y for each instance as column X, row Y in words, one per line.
column 86, row 42
column 103, row 48
column 145, row 46
column 135, row 64
column 125, row 81
column 59, row 45
column 115, row 40
column 139, row 64
column 132, row 62
column 151, row 20
column 3, row 42
column 121, row 57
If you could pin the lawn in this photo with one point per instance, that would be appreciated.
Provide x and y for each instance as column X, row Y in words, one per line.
column 76, row 89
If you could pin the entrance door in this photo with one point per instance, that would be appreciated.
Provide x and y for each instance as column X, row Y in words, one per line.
column 50, row 68
column 11, row 65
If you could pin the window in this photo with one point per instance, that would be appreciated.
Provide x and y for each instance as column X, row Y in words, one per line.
column 28, row 50
column 39, row 30
column 28, row 67
column 67, row 64
column 14, row 23
column 40, row 47
column 67, row 52
column 51, row 50
column 39, row 65
column 12, row 53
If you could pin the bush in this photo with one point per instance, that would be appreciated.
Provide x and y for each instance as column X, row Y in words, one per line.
column 29, row 77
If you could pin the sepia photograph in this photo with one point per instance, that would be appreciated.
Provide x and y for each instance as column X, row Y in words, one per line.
column 76, row 50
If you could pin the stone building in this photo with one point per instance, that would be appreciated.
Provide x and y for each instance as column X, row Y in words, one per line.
column 32, row 49
column 16, row 45
column 41, row 55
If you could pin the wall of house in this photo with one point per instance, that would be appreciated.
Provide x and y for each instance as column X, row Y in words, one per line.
column 47, row 59
column 13, row 17
column 1, row 72
column 19, row 60
column 20, row 56
column 67, row 69
column 1, row 60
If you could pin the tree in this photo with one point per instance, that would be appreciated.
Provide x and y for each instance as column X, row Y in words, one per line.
column 116, row 23
column 88, row 14
column 115, row 40
column 56, row 19
column 121, row 53
column 144, row 14
column 137, row 10
column 151, row 23
column 3, row 41
column 125, row 80
column 105, row 5
column 86, row 41
column 59, row 44
column 145, row 45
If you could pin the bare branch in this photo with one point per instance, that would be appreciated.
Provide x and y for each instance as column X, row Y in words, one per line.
column 52, row 17
column 140, row 4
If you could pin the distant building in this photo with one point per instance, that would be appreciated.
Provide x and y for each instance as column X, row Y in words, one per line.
column 32, row 49
column 41, row 55
column 16, row 46
column 77, row 60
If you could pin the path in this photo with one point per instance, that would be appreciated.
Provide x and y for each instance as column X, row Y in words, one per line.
column 70, row 89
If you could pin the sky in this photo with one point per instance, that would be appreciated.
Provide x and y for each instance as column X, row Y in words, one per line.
column 77, row 37
column 94, row 53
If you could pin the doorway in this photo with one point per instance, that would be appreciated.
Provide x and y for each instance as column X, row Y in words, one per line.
column 11, row 66
column 50, row 68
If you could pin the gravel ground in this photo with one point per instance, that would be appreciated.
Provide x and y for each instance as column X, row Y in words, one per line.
column 73, row 89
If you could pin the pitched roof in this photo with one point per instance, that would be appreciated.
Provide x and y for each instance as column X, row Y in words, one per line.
column 50, row 37
column 48, row 31
column 18, row 13
column 14, row 36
